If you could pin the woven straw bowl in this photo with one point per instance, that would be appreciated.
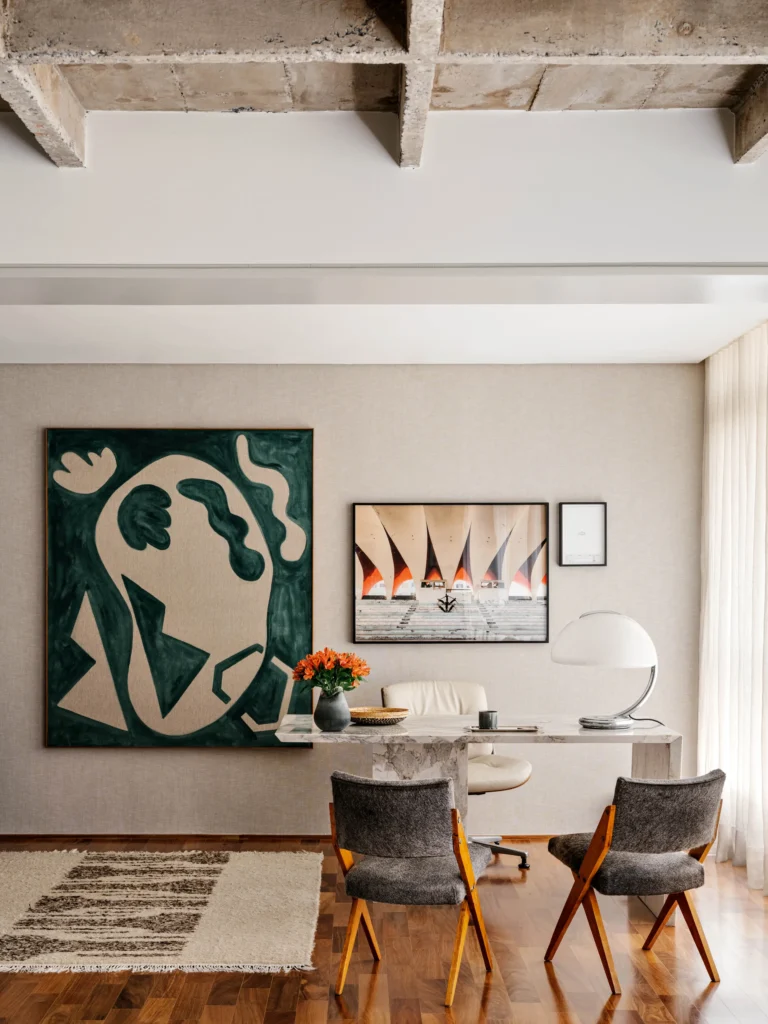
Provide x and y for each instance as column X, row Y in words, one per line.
column 378, row 716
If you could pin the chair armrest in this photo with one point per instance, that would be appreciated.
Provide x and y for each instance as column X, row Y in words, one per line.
column 344, row 857
column 461, row 851
column 599, row 846
column 702, row 852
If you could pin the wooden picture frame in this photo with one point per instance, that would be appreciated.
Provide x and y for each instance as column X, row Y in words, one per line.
column 172, row 555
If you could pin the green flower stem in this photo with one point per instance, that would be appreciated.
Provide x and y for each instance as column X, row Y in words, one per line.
column 333, row 681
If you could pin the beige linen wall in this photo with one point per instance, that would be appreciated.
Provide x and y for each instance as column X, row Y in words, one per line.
column 630, row 435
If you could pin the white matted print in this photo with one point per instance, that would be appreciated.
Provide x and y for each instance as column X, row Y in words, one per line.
column 583, row 534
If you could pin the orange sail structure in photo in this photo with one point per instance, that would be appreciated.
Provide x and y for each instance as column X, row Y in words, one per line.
column 371, row 575
column 432, row 568
column 463, row 574
column 402, row 574
column 494, row 572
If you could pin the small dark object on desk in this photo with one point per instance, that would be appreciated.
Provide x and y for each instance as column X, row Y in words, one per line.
column 506, row 728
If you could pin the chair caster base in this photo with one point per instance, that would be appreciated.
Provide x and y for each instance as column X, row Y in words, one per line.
column 493, row 844
column 524, row 864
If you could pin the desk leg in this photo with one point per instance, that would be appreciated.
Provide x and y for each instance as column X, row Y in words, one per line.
column 397, row 761
column 657, row 761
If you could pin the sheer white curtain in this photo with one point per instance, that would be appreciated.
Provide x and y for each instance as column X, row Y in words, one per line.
column 733, row 689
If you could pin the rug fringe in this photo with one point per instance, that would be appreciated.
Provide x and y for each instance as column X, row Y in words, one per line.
column 150, row 968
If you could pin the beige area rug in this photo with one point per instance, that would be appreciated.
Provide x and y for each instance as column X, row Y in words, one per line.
column 185, row 911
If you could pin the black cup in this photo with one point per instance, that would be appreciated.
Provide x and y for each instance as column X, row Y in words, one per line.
column 488, row 719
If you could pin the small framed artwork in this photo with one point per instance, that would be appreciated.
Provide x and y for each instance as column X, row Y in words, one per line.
column 583, row 533
column 451, row 573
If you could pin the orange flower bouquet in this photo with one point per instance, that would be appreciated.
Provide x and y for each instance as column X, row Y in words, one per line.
column 331, row 672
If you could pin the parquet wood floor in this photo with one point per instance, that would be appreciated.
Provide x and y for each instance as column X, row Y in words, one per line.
column 666, row 986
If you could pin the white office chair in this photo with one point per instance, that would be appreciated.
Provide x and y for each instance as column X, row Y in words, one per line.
column 487, row 772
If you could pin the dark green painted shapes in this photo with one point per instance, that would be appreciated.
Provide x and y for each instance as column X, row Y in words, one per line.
column 173, row 663
column 143, row 519
column 248, row 564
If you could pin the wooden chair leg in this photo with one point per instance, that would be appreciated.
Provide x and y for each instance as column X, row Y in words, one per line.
column 692, row 920
column 658, row 925
column 349, row 944
column 458, row 952
column 572, row 903
column 482, row 936
column 370, row 934
column 347, row 862
column 596, row 926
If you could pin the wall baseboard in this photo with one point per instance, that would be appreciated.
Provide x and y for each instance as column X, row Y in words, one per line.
column 207, row 837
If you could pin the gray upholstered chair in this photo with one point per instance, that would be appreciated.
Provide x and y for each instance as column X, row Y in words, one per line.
column 414, row 852
column 651, row 841
column 487, row 771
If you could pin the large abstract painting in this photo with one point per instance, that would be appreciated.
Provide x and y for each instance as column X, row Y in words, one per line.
column 451, row 573
column 179, row 585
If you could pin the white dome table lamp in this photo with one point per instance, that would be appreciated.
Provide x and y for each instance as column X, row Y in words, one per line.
column 611, row 640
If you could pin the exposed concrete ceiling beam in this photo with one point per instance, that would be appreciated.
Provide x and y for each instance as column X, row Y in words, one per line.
column 611, row 58
column 195, row 31
column 392, row 55
column 372, row 31
column 621, row 30
column 415, row 99
column 751, row 130
column 425, row 27
column 279, row 54
column 364, row 31
column 43, row 100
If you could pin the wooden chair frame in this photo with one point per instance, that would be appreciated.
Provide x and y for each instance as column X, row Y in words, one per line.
column 582, row 894
column 469, row 908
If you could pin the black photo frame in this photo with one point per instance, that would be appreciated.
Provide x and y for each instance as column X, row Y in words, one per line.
column 493, row 587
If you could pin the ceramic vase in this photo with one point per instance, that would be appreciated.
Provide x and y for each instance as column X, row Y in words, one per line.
column 332, row 713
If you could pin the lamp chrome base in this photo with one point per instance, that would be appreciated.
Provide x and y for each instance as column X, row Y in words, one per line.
column 622, row 719
column 606, row 722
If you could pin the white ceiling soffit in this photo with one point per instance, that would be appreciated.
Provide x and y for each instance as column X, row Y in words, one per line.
column 377, row 314
column 355, row 334
column 380, row 285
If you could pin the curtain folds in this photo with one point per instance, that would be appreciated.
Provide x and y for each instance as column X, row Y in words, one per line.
column 733, row 688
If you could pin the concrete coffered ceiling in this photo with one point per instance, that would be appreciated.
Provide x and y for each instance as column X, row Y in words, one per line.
column 61, row 58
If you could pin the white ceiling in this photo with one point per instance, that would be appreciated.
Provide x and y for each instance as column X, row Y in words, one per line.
column 583, row 333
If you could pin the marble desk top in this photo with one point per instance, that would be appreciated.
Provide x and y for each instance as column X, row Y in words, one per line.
column 422, row 729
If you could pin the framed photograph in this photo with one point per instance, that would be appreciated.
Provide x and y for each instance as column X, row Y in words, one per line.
column 451, row 573
column 179, row 585
column 583, row 533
